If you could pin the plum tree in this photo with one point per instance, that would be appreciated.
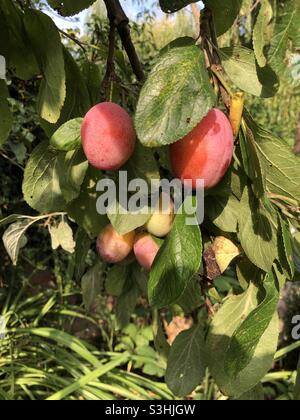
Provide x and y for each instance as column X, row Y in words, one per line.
column 161, row 221
column 112, row 247
column 145, row 250
column 206, row 152
column 108, row 136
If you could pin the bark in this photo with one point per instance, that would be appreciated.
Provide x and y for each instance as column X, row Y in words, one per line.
column 119, row 19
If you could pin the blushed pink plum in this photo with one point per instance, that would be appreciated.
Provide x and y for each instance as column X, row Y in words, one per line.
column 108, row 136
column 145, row 250
column 206, row 152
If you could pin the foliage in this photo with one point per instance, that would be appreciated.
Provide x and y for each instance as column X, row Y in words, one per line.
column 53, row 79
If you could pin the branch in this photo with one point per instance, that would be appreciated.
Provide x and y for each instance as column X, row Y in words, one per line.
column 110, row 66
column 72, row 38
column 12, row 161
column 254, row 6
column 119, row 19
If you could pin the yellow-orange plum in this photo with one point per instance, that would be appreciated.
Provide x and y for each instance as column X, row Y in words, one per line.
column 112, row 247
column 161, row 221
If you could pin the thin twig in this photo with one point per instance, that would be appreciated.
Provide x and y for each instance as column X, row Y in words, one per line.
column 217, row 70
column 255, row 5
column 72, row 38
column 110, row 65
column 205, row 34
column 12, row 161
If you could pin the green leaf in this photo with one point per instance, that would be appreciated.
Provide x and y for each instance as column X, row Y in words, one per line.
column 127, row 301
column 255, row 394
column 224, row 324
column 14, row 43
column 68, row 136
column 247, row 273
column 175, row 98
column 6, row 119
column 224, row 16
column 91, row 285
column 286, row 254
column 279, row 163
column 191, row 297
column 70, row 7
column 171, row 6
column 143, row 165
column 184, row 41
column 286, row 36
column 116, row 279
column 223, row 212
column 186, row 362
column 72, row 168
column 296, row 250
column 238, row 180
column 124, row 221
column 260, row 32
column 251, row 162
column 178, row 260
column 41, row 187
column 45, row 40
column 240, row 66
column 160, row 341
column 77, row 101
column 83, row 244
column 258, row 231
column 248, row 335
column 228, row 320
column 14, row 238
column 92, row 76
column 83, row 209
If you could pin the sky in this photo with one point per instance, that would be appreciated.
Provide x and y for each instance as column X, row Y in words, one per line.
column 131, row 9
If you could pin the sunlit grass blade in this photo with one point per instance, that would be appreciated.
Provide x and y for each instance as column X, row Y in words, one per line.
column 85, row 380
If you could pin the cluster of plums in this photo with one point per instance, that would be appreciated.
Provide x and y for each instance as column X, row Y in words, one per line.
column 108, row 140
column 115, row 248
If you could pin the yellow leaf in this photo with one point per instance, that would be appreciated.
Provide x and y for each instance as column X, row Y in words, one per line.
column 236, row 112
column 225, row 251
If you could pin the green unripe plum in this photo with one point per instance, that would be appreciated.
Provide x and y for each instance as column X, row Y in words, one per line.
column 145, row 250
column 206, row 152
column 161, row 222
column 108, row 136
column 112, row 247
